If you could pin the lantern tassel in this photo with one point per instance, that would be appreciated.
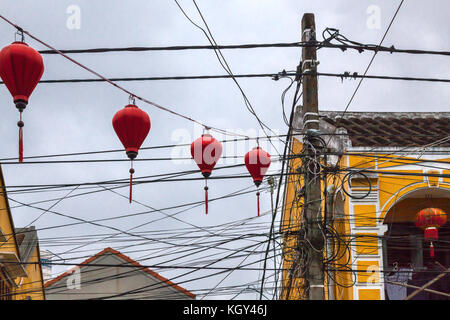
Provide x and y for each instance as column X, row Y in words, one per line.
column 206, row 197
column 257, row 199
column 20, row 124
column 20, row 145
column 431, row 250
column 131, row 183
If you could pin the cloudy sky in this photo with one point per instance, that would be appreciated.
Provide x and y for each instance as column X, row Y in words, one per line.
column 67, row 118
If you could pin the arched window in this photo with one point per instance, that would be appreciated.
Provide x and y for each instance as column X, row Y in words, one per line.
column 406, row 254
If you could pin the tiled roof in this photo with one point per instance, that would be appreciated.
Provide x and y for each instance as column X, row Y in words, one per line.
column 127, row 259
column 392, row 129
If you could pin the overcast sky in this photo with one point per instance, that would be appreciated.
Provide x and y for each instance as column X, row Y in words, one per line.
column 65, row 118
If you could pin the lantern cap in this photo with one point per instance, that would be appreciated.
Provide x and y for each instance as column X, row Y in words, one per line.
column 131, row 154
column 206, row 173
column 20, row 103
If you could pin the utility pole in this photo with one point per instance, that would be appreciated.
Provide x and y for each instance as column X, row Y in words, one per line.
column 314, row 273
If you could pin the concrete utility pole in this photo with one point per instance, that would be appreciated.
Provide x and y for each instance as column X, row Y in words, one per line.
column 313, row 195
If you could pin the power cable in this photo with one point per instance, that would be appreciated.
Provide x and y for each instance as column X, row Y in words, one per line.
column 129, row 93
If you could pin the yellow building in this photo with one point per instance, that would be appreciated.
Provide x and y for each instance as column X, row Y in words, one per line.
column 20, row 269
column 386, row 167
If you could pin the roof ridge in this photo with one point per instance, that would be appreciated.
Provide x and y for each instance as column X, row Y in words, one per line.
column 386, row 114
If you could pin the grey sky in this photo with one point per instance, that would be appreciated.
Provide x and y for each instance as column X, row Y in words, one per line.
column 63, row 118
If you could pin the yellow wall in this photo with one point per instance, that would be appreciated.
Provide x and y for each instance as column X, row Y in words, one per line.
column 291, row 218
column 7, row 227
column 32, row 286
column 366, row 217
column 290, row 221
column 33, row 281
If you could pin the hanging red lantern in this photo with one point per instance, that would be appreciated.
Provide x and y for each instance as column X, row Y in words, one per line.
column 132, row 126
column 257, row 162
column 206, row 151
column 430, row 220
column 21, row 68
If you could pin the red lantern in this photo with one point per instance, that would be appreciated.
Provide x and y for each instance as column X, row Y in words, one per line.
column 206, row 151
column 132, row 126
column 431, row 219
column 21, row 68
column 257, row 162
